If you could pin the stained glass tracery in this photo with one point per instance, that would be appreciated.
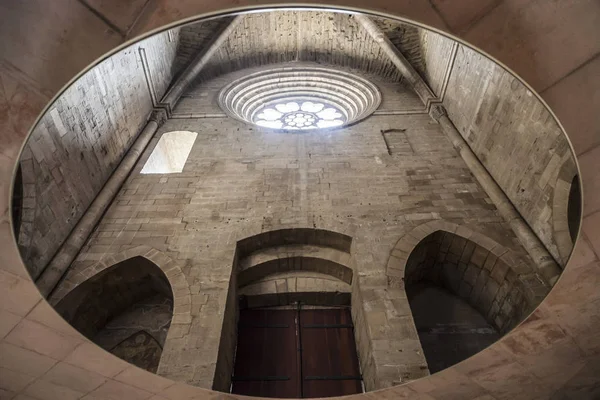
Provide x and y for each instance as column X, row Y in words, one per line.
column 294, row 115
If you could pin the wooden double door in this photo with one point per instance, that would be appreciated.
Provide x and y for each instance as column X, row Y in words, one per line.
column 296, row 354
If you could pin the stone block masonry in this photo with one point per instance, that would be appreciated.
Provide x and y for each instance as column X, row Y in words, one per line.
column 513, row 135
column 81, row 139
column 240, row 181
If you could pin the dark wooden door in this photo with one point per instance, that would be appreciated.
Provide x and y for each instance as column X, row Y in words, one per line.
column 296, row 354
column 266, row 362
column 329, row 359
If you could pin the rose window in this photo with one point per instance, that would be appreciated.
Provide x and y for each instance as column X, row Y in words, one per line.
column 299, row 115
column 300, row 98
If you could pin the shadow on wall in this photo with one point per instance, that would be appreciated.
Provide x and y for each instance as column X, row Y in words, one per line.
column 126, row 309
column 464, row 296
column 450, row 329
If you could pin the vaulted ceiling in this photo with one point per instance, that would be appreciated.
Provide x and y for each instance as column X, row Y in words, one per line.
column 328, row 38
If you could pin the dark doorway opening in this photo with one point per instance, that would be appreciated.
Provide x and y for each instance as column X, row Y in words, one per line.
column 17, row 202
column 450, row 329
column 126, row 309
column 574, row 208
column 296, row 353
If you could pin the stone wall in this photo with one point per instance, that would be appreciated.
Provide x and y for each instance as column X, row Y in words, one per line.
column 240, row 181
column 81, row 139
column 450, row 329
column 264, row 38
column 138, row 334
column 515, row 137
column 437, row 58
column 200, row 100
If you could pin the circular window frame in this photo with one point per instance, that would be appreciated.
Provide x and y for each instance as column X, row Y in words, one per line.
column 354, row 96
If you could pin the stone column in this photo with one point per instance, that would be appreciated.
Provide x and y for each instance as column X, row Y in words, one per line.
column 544, row 261
column 397, row 58
column 72, row 245
column 198, row 63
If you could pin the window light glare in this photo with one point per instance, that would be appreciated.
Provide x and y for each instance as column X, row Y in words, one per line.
column 293, row 115
column 170, row 154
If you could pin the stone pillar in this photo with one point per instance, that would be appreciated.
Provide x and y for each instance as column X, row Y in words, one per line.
column 79, row 235
column 198, row 63
column 545, row 263
column 404, row 66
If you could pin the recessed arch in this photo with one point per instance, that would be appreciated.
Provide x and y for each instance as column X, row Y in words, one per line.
column 288, row 268
column 126, row 309
column 566, row 209
column 158, row 273
column 490, row 277
column 464, row 289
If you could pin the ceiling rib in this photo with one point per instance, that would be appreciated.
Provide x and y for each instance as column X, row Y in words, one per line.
column 397, row 58
column 193, row 69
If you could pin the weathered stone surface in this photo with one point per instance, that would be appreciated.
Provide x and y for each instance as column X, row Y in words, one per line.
column 240, row 181
column 576, row 381
column 513, row 135
column 80, row 140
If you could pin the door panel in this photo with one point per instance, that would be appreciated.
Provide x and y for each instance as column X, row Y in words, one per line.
column 267, row 357
column 329, row 359
column 277, row 358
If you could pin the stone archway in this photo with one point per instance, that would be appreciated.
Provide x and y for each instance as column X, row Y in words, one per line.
column 566, row 192
column 285, row 266
column 464, row 290
column 493, row 279
column 164, row 267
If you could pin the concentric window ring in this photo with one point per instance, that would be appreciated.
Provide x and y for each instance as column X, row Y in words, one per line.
column 320, row 97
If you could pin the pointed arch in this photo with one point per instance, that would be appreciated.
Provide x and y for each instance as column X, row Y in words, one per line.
column 566, row 209
column 108, row 290
column 497, row 282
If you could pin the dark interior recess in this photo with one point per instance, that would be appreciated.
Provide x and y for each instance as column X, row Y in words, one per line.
column 125, row 309
column 574, row 208
column 449, row 328
column 17, row 202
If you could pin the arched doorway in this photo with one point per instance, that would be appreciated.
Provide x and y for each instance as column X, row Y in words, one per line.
column 574, row 208
column 295, row 333
column 464, row 289
column 125, row 309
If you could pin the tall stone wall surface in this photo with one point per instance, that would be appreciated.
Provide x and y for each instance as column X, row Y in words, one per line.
column 264, row 38
column 437, row 56
column 202, row 97
column 240, row 180
column 81, row 139
column 513, row 135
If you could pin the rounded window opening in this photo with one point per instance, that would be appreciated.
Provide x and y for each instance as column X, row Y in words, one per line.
column 300, row 98
column 288, row 114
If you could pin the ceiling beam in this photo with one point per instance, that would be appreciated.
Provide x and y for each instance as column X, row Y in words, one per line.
column 397, row 58
column 194, row 68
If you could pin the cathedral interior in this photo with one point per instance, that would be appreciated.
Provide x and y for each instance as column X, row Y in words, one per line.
column 298, row 203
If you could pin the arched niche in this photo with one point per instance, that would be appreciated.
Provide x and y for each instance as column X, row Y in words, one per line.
column 281, row 270
column 464, row 289
column 126, row 309
column 566, row 209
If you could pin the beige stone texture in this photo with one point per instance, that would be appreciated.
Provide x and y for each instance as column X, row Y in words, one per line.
column 545, row 44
